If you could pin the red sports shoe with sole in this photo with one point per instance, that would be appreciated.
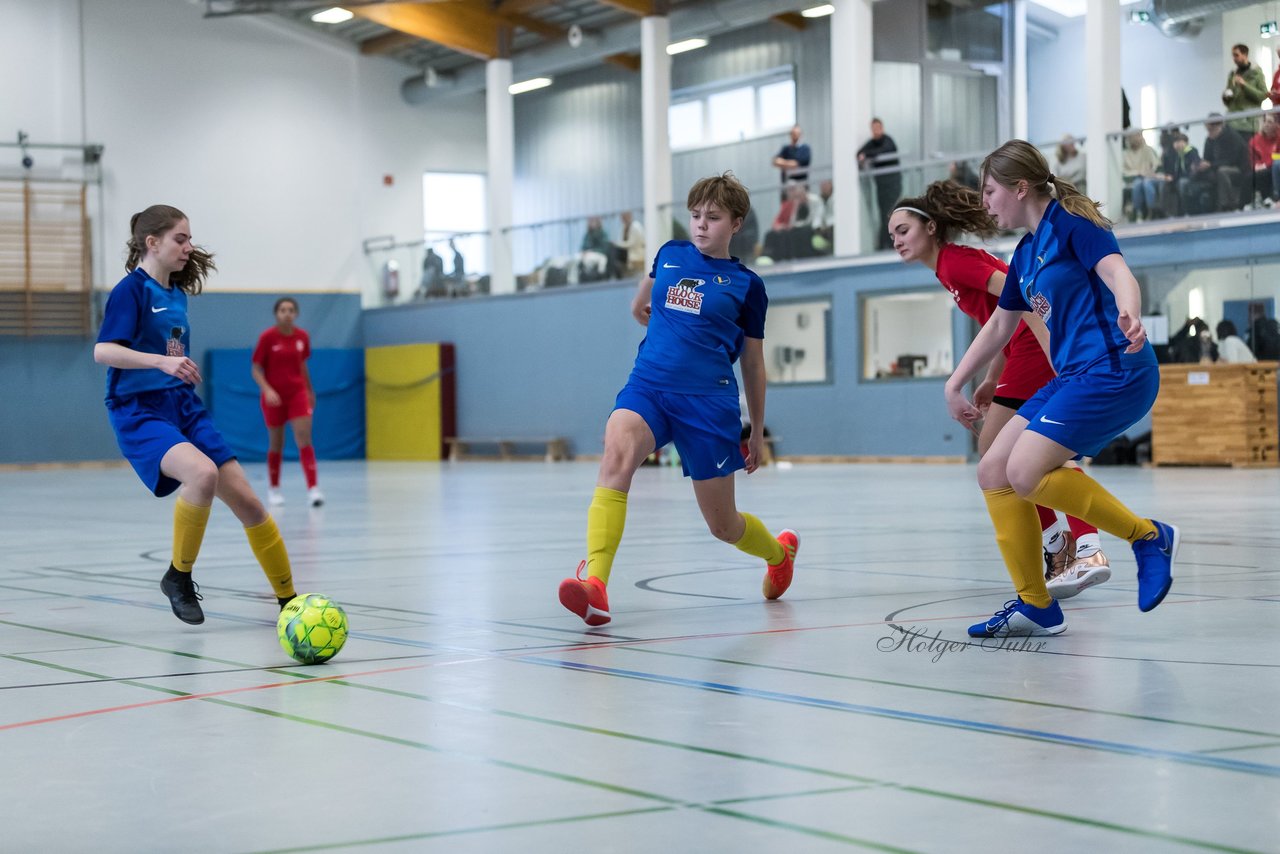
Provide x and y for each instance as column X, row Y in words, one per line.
column 587, row 599
column 777, row 577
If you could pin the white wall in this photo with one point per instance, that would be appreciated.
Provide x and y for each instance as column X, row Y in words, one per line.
column 274, row 140
column 1187, row 74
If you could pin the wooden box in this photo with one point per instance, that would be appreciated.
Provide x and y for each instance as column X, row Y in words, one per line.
column 1216, row 414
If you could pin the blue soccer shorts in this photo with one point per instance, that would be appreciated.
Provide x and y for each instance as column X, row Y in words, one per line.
column 706, row 428
column 148, row 425
column 1084, row 412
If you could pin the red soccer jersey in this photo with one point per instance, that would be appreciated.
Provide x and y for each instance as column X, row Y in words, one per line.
column 281, row 358
column 965, row 271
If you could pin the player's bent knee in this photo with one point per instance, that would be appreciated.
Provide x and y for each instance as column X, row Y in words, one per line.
column 992, row 473
column 1024, row 480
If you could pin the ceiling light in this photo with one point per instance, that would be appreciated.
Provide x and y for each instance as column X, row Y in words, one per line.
column 819, row 11
column 529, row 85
column 686, row 45
column 335, row 15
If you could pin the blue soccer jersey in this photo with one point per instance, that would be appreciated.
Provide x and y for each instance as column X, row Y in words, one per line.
column 144, row 315
column 1052, row 273
column 703, row 310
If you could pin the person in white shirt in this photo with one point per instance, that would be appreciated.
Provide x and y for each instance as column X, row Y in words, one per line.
column 1231, row 347
column 632, row 243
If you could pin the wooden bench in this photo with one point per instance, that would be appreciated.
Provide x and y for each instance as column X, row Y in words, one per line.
column 557, row 447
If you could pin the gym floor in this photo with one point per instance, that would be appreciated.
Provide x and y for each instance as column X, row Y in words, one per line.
column 470, row 713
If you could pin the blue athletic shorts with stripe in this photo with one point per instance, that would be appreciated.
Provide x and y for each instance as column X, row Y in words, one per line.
column 1084, row 412
column 151, row 423
column 706, row 428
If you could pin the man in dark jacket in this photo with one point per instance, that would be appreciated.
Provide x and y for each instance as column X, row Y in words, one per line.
column 880, row 152
column 1226, row 158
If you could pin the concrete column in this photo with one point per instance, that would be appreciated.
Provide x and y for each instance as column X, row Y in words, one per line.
column 1018, row 67
column 655, row 98
column 1103, row 112
column 500, row 132
column 851, row 78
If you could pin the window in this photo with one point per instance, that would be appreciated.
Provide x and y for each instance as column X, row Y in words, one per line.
column 777, row 105
column 907, row 335
column 684, row 124
column 796, row 338
column 731, row 115
column 455, row 203
column 732, row 110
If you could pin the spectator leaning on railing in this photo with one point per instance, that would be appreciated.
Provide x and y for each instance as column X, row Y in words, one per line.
column 1246, row 87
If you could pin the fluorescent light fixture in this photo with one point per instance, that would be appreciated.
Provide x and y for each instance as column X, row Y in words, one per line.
column 818, row 11
column 1268, row 29
column 686, row 45
column 529, row 85
column 335, row 15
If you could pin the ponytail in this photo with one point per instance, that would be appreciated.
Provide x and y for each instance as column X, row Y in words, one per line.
column 953, row 208
column 1018, row 160
column 156, row 221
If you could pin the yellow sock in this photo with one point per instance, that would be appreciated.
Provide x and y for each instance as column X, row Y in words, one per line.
column 189, row 522
column 606, row 517
column 1018, row 536
column 756, row 540
column 273, row 557
column 1085, row 498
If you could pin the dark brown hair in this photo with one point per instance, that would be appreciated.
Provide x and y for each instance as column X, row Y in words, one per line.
column 157, row 221
column 282, row 301
column 953, row 208
column 724, row 191
column 1018, row 160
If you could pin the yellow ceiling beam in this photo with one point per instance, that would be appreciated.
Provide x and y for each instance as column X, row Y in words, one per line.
column 457, row 26
column 387, row 42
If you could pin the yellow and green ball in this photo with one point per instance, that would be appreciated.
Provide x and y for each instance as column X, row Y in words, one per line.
column 312, row 628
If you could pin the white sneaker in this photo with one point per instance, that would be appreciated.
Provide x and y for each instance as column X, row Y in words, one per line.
column 274, row 496
column 315, row 496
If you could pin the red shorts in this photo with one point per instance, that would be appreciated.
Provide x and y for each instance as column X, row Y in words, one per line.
column 294, row 405
column 1028, row 369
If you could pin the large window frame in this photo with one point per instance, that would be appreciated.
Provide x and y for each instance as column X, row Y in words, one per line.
column 767, row 90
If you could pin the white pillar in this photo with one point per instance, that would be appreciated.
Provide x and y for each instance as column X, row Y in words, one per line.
column 851, row 71
column 1103, row 110
column 655, row 98
column 1019, row 69
column 500, row 132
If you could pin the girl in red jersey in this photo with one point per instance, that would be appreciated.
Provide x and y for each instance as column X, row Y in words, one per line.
column 920, row 229
column 280, row 370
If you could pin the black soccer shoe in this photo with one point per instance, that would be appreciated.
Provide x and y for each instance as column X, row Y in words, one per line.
column 184, row 596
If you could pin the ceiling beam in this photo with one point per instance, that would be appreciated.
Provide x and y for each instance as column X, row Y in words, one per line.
column 794, row 20
column 639, row 8
column 387, row 42
column 629, row 61
column 457, row 26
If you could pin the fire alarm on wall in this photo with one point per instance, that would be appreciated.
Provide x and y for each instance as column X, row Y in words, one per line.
column 388, row 180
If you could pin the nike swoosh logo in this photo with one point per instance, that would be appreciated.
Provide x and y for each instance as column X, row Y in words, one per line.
column 1001, row 385
column 155, row 310
column 1051, row 421
column 667, row 266
column 720, row 464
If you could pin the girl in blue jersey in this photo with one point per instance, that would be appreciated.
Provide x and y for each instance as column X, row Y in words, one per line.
column 703, row 310
column 161, row 425
column 1068, row 270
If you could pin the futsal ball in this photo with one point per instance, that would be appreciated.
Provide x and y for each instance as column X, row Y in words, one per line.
column 312, row 628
